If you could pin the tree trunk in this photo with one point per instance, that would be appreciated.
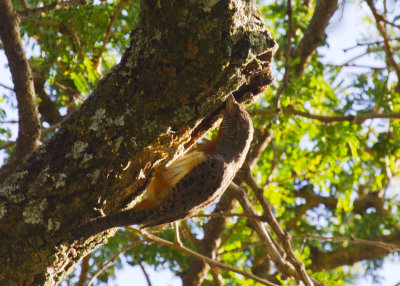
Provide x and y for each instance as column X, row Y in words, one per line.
column 184, row 59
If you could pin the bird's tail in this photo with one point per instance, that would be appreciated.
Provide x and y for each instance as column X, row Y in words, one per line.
column 119, row 219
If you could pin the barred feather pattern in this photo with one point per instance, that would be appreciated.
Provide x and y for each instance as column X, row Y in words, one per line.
column 191, row 183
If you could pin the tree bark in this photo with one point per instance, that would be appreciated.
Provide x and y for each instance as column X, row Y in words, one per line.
column 184, row 59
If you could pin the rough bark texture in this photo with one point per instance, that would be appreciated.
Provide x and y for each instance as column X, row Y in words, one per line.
column 184, row 58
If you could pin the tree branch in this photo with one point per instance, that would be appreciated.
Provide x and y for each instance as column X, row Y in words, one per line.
column 47, row 107
column 352, row 254
column 368, row 44
column 6, row 87
column 112, row 261
column 262, row 138
column 53, row 6
column 145, row 274
column 348, row 62
column 300, row 211
column 211, row 242
column 84, row 270
column 42, row 22
column 360, row 205
column 357, row 119
column 213, row 230
column 376, row 68
column 388, row 246
column 295, row 269
column 44, row 132
column 97, row 56
column 9, row 122
column 288, row 48
column 208, row 260
column 386, row 40
column 29, row 124
column 314, row 34
column 228, row 214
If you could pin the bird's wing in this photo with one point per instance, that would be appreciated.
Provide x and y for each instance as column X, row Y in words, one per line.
column 165, row 178
column 196, row 190
column 178, row 169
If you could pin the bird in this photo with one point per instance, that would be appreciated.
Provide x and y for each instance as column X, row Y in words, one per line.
column 190, row 183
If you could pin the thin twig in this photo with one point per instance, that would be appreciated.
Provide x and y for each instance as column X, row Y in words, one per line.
column 388, row 246
column 97, row 56
column 274, row 163
column 262, row 139
column 9, row 122
column 349, row 61
column 217, row 277
column 284, row 237
column 112, row 261
column 145, row 274
column 84, row 270
column 44, row 132
column 189, row 235
column 388, row 49
column 41, row 22
column 285, row 80
column 210, row 243
column 229, row 234
column 53, row 6
column 7, row 145
column 227, row 214
column 273, row 250
column 6, row 87
column 390, row 23
column 357, row 119
column 208, row 260
column 239, row 249
column 369, row 44
column 357, row 66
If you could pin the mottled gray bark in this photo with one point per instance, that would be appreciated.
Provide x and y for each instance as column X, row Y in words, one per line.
column 184, row 59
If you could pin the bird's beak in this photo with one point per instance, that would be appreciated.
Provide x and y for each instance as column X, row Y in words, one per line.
column 230, row 102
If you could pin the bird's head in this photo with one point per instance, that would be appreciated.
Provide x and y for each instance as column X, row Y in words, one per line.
column 236, row 131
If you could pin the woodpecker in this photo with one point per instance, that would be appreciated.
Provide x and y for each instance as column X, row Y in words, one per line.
column 192, row 182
